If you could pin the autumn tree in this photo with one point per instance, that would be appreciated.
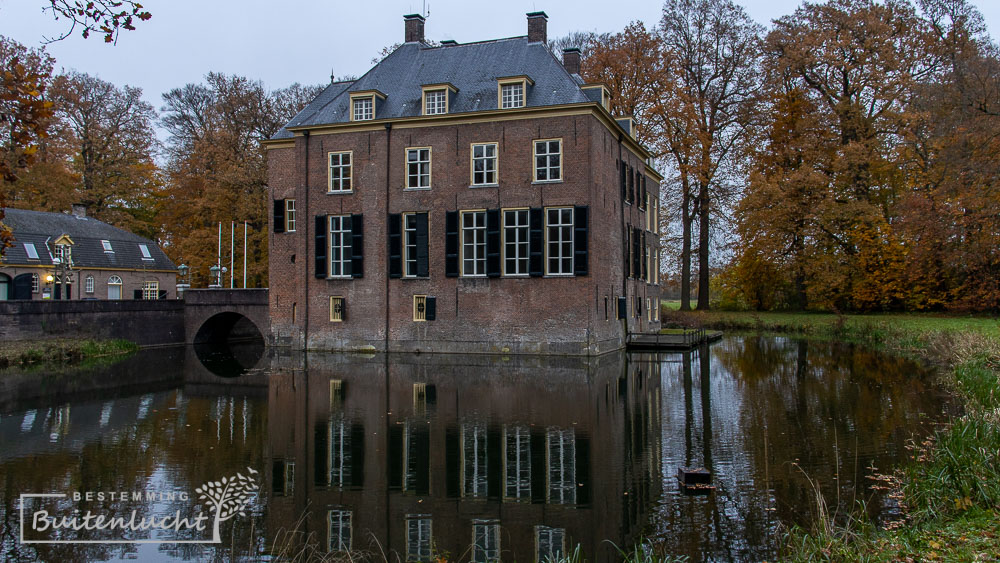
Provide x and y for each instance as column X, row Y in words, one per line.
column 217, row 167
column 107, row 17
column 24, row 114
column 713, row 52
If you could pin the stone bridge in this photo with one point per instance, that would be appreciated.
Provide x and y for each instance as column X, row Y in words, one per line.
column 219, row 315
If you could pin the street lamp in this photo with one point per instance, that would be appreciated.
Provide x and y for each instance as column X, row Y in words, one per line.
column 182, row 287
column 216, row 274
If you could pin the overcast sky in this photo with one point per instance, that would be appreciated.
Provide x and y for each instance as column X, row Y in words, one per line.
column 303, row 41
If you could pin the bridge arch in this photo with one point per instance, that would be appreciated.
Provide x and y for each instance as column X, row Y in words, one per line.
column 227, row 326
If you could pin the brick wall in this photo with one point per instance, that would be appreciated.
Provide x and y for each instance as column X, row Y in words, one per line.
column 562, row 315
column 131, row 281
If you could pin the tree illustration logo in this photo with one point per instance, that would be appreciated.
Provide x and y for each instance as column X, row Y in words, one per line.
column 228, row 497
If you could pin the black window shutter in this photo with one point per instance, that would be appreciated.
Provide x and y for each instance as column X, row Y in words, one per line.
column 643, row 178
column 137, row 294
column 395, row 245
column 162, row 294
column 430, row 311
column 279, row 215
column 423, row 267
column 321, row 228
column 536, row 243
column 580, row 232
column 357, row 246
column 645, row 253
column 636, row 254
column 622, row 311
column 627, row 245
column 451, row 244
column 493, row 243
column 631, row 185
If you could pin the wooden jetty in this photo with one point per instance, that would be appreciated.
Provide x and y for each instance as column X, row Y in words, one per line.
column 685, row 340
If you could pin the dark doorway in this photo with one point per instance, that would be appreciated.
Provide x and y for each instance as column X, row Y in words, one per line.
column 22, row 287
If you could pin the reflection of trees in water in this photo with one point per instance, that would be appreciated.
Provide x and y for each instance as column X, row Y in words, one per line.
column 755, row 410
column 180, row 443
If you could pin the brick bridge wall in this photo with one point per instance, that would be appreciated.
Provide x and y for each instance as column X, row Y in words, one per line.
column 147, row 323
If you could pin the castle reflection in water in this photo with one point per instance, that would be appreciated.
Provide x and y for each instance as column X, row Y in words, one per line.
column 473, row 457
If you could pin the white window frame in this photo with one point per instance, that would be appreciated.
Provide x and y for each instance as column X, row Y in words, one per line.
column 106, row 244
column 478, row 242
column 419, row 537
column 31, row 251
column 491, row 164
column 340, row 176
column 560, row 229
column 436, row 101
column 515, row 231
column 336, row 241
column 512, row 95
column 150, row 290
column 36, row 283
column 363, row 108
column 88, row 285
column 409, row 245
column 117, row 282
column 417, row 174
column 340, row 520
column 144, row 249
column 289, row 215
column 487, row 550
column 548, row 156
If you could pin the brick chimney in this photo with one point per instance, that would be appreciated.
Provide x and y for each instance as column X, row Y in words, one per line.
column 571, row 60
column 79, row 210
column 538, row 27
column 414, row 28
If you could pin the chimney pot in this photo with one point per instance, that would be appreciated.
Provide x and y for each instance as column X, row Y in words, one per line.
column 79, row 210
column 414, row 28
column 571, row 60
column 537, row 27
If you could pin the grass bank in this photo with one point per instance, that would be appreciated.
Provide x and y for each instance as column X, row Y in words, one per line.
column 951, row 489
column 30, row 354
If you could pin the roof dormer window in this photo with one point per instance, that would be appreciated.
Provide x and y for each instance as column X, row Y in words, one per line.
column 364, row 108
column 512, row 91
column 364, row 104
column 437, row 98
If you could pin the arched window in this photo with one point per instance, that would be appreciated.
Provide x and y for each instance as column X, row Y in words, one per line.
column 114, row 287
column 35, row 283
column 89, row 286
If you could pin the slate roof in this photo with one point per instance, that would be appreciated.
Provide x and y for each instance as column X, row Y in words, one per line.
column 39, row 228
column 473, row 68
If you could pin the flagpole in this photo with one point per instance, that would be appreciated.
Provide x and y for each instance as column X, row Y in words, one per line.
column 232, row 252
column 244, row 254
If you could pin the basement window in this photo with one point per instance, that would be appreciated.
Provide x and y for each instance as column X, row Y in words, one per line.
column 336, row 309
column 419, row 308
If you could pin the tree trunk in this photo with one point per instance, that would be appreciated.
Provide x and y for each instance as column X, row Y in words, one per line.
column 703, row 270
column 686, row 217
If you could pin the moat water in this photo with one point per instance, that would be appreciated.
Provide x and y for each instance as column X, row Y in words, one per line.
column 461, row 457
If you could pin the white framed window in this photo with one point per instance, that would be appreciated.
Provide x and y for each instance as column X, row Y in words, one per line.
column 336, row 309
column 289, row 215
column 419, row 308
column 512, row 95
column 484, row 164
column 418, row 167
column 550, row 543
column 338, row 530
column 31, row 251
column 473, row 243
column 515, row 242
column 341, row 171
column 88, row 284
column 410, row 245
column 35, row 283
column 548, row 160
column 418, row 538
column 107, row 246
column 435, row 102
column 561, row 458
column 340, row 246
column 485, row 541
column 145, row 252
column 559, row 241
column 114, row 288
column 363, row 109
column 150, row 290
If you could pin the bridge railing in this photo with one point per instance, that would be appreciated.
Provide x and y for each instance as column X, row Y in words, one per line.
column 226, row 296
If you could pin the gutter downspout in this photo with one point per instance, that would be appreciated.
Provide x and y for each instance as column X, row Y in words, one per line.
column 305, row 264
column 388, row 169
